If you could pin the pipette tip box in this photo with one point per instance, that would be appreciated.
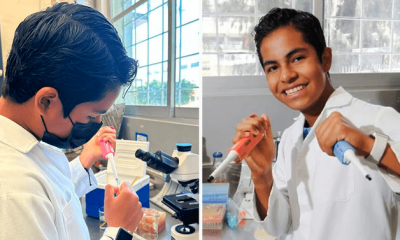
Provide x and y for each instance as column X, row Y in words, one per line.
column 213, row 216
column 215, row 192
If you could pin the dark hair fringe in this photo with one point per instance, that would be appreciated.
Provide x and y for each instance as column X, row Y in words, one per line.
column 72, row 48
column 304, row 22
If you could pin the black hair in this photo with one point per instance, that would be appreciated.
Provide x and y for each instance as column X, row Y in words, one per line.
column 71, row 48
column 304, row 22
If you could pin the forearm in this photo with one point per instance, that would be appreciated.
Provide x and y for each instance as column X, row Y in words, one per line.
column 390, row 161
column 84, row 181
column 86, row 158
column 262, row 190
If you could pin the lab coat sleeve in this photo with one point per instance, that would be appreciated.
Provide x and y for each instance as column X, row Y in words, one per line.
column 278, row 220
column 110, row 233
column 26, row 216
column 84, row 181
column 387, row 122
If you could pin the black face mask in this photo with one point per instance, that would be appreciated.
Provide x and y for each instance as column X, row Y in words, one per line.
column 81, row 133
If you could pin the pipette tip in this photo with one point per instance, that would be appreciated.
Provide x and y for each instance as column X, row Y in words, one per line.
column 210, row 178
column 118, row 183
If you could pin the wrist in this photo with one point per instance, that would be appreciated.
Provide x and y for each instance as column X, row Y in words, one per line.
column 263, row 181
column 85, row 160
column 367, row 145
column 118, row 233
column 379, row 146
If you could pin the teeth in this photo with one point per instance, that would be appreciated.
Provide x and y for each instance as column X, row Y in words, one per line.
column 294, row 90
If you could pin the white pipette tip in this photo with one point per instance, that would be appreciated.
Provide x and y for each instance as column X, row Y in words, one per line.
column 350, row 155
column 232, row 155
column 347, row 154
column 110, row 157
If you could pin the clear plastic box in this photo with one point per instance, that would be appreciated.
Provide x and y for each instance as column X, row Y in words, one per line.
column 233, row 215
column 213, row 216
column 152, row 223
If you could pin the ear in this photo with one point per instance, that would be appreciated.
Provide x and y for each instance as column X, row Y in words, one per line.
column 327, row 59
column 47, row 101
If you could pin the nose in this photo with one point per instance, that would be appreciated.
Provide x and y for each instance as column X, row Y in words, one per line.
column 98, row 119
column 288, row 74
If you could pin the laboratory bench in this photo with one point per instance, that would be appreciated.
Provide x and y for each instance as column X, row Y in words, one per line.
column 248, row 229
column 94, row 228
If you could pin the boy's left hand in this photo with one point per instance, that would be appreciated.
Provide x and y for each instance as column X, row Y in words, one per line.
column 336, row 128
column 92, row 151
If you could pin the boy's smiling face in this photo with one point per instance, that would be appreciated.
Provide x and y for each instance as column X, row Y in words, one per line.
column 294, row 73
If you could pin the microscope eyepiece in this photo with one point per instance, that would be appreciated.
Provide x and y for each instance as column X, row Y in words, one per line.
column 140, row 153
column 158, row 160
column 165, row 155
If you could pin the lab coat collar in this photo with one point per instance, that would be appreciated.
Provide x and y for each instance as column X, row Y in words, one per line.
column 338, row 98
column 15, row 136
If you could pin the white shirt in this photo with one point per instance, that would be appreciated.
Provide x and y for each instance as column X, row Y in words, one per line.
column 315, row 197
column 39, row 189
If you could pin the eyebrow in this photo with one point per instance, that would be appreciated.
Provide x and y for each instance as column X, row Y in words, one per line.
column 289, row 55
column 101, row 111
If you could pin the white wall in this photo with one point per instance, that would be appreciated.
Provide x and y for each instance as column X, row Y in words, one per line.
column 11, row 14
column 163, row 133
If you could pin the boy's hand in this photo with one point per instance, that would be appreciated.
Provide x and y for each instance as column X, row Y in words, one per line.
column 336, row 128
column 125, row 210
column 261, row 157
column 92, row 151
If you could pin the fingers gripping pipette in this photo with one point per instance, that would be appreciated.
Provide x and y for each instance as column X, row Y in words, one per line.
column 108, row 153
column 346, row 154
column 237, row 153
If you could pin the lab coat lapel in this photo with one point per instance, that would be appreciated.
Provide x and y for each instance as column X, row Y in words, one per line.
column 307, row 161
column 297, row 136
column 337, row 99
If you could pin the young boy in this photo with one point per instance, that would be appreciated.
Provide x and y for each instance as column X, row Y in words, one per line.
column 66, row 68
column 309, row 194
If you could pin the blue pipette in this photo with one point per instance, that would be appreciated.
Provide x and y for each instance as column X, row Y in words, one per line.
column 346, row 154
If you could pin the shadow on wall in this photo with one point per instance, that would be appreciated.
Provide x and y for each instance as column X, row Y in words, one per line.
column 206, row 158
column 390, row 98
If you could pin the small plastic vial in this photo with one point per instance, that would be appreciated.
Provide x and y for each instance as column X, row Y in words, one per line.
column 277, row 140
column 221, row 178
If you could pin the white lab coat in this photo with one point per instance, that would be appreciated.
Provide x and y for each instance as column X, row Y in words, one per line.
column 315, row 197
column 39, row 189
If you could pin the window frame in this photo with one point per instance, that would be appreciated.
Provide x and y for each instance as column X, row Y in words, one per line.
column 169, row 111
column 347, row 80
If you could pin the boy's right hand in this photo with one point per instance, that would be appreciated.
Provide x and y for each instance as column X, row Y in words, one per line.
column 124, row 210
column 261, row 157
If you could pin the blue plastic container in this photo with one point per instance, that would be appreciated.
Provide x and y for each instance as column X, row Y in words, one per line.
column 95, row 198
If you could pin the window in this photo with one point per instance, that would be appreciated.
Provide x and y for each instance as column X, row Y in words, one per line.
column 187, row 54
column 362, row 34
column 144, row 27
column 228, row 45
column 89, row 3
